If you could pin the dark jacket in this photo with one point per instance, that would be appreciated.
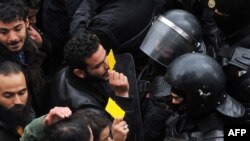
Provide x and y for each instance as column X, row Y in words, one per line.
column 69, row 90
column 76, row 93
column 115, row 25
column 183, row 127
column 56, row 18
column 32, row 67
column 230, row 29
column 57, row 15
column 8, row 133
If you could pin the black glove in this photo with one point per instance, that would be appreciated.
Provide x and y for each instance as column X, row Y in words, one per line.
column 159, row 88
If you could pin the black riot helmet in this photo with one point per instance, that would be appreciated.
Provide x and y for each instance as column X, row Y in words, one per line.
column 200, row 80
column 172, row 34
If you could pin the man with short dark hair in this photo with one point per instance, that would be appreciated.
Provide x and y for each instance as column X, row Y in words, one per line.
column 88, row 83
column 15, row 108
column 70, row 129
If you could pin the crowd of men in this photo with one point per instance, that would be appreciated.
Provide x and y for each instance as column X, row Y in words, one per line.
column 182, row 69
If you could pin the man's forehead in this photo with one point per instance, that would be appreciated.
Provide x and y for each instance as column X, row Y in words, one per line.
column 99, row 53
column 6, row 84
column 12, row 23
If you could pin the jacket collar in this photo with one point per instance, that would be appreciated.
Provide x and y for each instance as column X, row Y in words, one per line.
column 99, row 90
column 32, row 54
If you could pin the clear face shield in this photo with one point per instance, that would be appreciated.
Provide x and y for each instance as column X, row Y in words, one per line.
column 165, row 41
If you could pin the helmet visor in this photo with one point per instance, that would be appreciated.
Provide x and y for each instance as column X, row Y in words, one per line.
column 163, row 44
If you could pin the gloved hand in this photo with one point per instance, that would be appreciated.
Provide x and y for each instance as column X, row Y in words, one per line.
column 159, row 88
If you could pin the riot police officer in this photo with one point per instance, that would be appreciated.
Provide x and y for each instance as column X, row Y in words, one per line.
column 200, row 81
column 172, row 34
column 227, row 30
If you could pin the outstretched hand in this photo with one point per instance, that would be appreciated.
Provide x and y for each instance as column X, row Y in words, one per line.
column 56, row 114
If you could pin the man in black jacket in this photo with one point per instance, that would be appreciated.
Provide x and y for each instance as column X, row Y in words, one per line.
column 15, row 108
column 87, row 82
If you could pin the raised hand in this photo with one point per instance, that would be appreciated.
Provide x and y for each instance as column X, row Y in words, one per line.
column 119, row 83
column 35, row 36
column 119, row 130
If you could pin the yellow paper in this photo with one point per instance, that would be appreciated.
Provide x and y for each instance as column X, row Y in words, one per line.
column 114, row 110
column 111, row 60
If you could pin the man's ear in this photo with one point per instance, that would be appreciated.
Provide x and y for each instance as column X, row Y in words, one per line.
column 79, row 73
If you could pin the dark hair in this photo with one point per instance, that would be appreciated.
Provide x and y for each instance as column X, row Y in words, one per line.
column 80, row 47
column 69, row 129
column 34, row 4
column 12, row 10
column 8, row 67
column 95, row 119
